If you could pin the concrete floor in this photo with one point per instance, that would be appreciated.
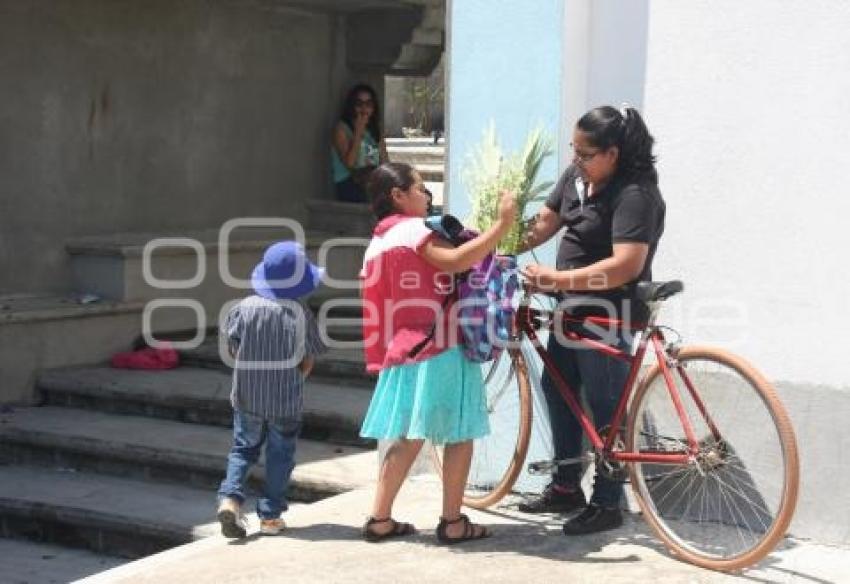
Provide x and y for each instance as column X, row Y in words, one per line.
column 323, row 544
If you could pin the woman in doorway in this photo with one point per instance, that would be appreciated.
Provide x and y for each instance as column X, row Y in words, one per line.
column 357, row 144
column 608, row 199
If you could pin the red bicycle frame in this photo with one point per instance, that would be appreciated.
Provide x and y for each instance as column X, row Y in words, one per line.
column 528, row 320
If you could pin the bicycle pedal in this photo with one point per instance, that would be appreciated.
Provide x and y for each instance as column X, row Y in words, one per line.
column 541, row 467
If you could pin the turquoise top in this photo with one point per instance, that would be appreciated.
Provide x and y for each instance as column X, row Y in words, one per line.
column 369, row 155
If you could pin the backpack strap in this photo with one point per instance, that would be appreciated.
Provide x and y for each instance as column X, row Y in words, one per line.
column 449, row 228
column 417, row 348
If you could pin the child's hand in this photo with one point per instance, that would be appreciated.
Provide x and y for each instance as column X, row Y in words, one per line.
column 507, row 207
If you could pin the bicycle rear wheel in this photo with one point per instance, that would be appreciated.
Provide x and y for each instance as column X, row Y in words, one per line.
column 727, row 508
column 498, row 458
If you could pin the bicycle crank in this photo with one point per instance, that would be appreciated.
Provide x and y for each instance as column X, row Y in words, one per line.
column 614, row 470
column 544, row 467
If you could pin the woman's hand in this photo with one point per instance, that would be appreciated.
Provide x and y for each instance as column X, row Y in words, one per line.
column 540, row 278
column 540, row 228
column 361, row 120
column 507, row 208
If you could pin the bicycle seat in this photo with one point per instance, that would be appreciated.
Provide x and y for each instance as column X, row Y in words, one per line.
column 658, row 291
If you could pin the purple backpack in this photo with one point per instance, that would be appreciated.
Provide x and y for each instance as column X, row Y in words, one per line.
column 484, row 295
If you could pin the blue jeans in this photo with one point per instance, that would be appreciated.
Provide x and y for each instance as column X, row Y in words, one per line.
column 249, row 434
column 600, row 379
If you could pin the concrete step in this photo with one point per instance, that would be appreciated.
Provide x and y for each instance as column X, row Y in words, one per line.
column 417, row 154
column 113, row 266
column 45, row 563
column 351, row 220
column 39, row 331
column 346, row 366
column 104, row 514
column 431, row 172
column 333, row 410
column 166, row 451
column 339, row 316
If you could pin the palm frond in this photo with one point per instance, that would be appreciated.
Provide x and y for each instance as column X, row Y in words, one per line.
column 490, row 171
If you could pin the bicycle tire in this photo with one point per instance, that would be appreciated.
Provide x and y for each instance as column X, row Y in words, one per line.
column 765, row 509
column 502, row 467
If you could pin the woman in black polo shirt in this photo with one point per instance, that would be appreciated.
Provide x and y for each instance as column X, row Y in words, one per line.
column 609, row 203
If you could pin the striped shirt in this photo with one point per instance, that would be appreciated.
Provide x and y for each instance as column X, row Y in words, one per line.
column 269, row 339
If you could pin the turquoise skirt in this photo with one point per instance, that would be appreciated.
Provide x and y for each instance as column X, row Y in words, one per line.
column 440, row 399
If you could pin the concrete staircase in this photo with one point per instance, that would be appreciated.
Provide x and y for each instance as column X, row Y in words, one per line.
column 127, row 462
column 422, row 52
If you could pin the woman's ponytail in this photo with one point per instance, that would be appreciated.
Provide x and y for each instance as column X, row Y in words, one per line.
column 606, row 126
column 636, row 158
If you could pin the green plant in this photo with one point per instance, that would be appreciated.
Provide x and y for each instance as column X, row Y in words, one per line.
column 490, row 172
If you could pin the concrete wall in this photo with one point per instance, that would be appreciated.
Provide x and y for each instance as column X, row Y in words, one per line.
column 734, row 95
column 156, row 116
column 746, row 103
column 604, row 58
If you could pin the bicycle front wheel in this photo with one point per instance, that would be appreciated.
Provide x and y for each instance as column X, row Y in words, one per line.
column 729, row 506
column 498, row 458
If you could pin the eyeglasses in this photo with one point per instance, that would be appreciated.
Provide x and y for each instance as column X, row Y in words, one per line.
column 583, row 158
column 358, row 102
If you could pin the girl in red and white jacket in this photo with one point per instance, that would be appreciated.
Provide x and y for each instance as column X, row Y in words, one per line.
column 427, row 388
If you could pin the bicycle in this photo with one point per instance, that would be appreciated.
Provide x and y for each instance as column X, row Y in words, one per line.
column 715, row 493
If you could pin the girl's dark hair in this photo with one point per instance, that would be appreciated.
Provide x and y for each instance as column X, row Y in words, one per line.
column 348, row 111
column 605, row 127
column 381, row 183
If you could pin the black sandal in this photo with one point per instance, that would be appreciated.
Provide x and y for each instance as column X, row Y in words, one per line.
column 399, row 529
column 469, row 531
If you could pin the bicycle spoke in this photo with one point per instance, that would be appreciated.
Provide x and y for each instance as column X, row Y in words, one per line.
column 499, row 457
column 727, row 507
column 754, row 504
column 503, row 390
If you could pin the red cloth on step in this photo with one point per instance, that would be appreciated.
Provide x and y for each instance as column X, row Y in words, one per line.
column 147, row 358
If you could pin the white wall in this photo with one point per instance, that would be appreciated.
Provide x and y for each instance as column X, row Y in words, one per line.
column 748, row 102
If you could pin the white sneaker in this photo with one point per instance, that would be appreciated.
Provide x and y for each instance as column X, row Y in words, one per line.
column 272, row 526
column 230, row 517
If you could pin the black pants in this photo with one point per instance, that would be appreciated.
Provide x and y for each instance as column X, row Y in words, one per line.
column 350, row 192
column 600, row 379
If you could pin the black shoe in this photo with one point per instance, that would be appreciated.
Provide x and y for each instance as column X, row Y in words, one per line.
column 552, row 500
column 593, row 519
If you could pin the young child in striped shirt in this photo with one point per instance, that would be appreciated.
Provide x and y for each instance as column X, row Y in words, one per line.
column 275, row 339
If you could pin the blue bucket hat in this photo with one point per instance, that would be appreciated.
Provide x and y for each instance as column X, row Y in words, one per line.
column 285, row 272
